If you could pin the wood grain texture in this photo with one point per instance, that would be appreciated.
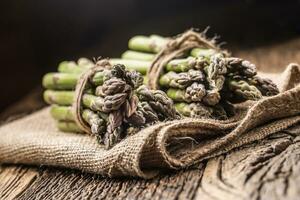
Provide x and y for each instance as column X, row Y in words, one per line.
column 14, row 180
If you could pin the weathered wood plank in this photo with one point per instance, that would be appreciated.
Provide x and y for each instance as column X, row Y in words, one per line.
column 69, row 184
column 14, row 180
column 265, row 170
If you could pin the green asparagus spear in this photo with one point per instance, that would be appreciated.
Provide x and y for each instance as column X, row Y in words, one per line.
column 67, row 81
column 158, row 101
column 174, row 80
column 111, row 87
column 215, row 76
column 60, row 81
column 194, row 110
column 65, row 114
column 152, row 44
column 264, row 85
column 185, row 64
column 65, row 98
column 95, row 121
column 242, row 91
column 137, row 65
column 181, row 80
column 62, row 113
column 135, row 55
column 69, row 67
column 67, row 126
column 240, row 69
column 193, row 93
column 204, row 53
column 73, row 67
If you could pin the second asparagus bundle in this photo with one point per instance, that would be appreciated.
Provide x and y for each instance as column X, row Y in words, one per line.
column 204, row 82
column 114, row 104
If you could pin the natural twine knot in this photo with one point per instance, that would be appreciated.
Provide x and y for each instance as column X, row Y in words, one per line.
column 176, row 47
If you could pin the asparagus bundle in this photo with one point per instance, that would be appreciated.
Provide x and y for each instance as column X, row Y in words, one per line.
column 114, row 104
column 203, row 81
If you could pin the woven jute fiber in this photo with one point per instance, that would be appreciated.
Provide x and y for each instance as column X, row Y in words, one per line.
column 172, row 145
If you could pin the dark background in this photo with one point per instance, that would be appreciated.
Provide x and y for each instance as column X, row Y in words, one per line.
column 36, row 35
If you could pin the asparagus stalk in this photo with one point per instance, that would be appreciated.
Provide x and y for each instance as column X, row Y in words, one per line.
column 95, row 121
column 106, row 104
column 135, row 55
column 73, row 67
column 215, row 77
column 66, row 81
column 204, row 53
column 264, row 85
column 63, row 98
column 240, row 69
column 243, row 91
column 145, row 114
column 185, row 64
column 196, row 110
column 193, row 93
column 152, row 44
column 67, row 126
column 172, row 79
column 69, row 67
column 181, row 80
column 60, row 81
column 65, row 114
column 136, row 65
column 159, row 102
column 175, row 65
column 216, row 71
column 62, row 113
column 85, row 63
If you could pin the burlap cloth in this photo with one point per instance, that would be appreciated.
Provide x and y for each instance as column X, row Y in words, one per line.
column 173, row 145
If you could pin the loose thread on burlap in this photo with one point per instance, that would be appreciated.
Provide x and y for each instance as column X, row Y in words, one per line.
column 79, row 91
column 175, row 48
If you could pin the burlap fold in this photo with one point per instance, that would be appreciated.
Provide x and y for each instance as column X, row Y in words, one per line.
column 176, row 144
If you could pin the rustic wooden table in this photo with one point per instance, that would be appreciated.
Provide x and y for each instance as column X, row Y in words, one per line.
column 272, row 172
